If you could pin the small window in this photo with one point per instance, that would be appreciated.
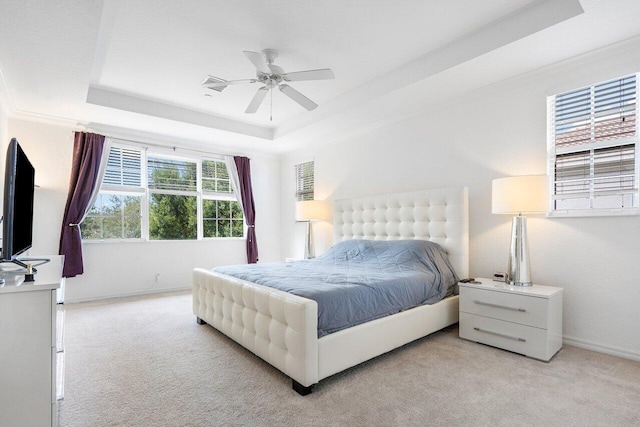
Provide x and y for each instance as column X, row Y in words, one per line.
column 304, row 181
column 592, row 149
column 221, row 212
column 222, row 218
column 215, row 177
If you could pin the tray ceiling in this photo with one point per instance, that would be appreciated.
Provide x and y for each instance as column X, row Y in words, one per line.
column 138, row 65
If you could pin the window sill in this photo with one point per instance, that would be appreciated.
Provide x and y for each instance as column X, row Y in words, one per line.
column 129, row 241
column 586, row 214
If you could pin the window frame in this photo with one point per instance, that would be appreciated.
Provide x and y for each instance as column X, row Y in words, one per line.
column 589, row 149
column 301, row 194
column 145, row 192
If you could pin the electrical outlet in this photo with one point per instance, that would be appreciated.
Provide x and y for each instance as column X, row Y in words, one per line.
column 157, row 277
column 500, row 277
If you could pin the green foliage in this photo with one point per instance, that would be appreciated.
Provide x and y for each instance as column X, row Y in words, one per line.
column 172, row 217
column 113, row 217
column 215, row 177
column 222, row 218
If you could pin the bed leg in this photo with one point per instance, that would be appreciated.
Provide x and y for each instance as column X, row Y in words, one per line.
column 300, row 389
column 199, row 321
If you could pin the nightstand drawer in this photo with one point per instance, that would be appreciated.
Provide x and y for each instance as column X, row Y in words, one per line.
column 522, row 309
column 521, row 339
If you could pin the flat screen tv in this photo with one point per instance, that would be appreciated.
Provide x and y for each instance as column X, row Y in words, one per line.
column 17, row 223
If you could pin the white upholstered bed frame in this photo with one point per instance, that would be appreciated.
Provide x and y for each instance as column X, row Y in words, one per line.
column 281, row 328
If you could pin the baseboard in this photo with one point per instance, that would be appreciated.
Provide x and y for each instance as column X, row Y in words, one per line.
column 588, row 345
column 126, row 294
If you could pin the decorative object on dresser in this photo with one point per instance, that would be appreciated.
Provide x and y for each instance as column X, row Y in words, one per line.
column 309, row 211
column 282, row 328
column 518, row 195
column 525, row 320
column 32, row 349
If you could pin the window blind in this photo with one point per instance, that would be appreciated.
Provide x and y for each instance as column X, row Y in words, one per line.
column 171, row 174
column 124, row 167
column 594, row 133
column 599, row 113
column 609, row 170
column 304, row 181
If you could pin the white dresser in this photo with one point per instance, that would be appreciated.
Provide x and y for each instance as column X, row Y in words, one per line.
column 31, row 346
column 525, row 320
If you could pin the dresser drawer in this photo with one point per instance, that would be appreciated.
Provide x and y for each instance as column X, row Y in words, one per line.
column 521, row 339
column 522, row 309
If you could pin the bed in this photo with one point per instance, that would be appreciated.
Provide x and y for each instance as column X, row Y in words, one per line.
column 282, row 328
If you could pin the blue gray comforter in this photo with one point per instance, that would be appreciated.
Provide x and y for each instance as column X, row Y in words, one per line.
column 360, row 280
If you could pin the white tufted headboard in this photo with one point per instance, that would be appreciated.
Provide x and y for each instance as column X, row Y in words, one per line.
column 438, row 215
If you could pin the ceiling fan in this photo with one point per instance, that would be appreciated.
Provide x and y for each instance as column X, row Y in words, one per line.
column 271, row 76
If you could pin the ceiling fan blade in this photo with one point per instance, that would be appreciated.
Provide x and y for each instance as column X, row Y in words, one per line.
column 257, row 100
column 298, row 97
column 258, row 60
column 323, row 74
column 208, row 84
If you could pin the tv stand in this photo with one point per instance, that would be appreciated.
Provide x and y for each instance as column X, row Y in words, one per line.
column 22, row 262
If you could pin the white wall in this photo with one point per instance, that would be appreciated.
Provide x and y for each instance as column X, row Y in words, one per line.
column 4, row 128
column 115, row 269
column 4, row 143
column 494, row 132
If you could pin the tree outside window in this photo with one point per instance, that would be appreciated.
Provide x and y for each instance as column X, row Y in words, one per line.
column 182, row 199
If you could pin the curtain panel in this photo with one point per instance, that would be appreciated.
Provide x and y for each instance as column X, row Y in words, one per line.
column 243, row 169
column 85, row 173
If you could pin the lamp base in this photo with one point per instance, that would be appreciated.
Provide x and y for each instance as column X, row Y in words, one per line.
column 309, row 246
column 518, row 267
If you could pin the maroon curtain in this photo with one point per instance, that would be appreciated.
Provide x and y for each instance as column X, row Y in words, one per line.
column 87, row 152
column 248, row 206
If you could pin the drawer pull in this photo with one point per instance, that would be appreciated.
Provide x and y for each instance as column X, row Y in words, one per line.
column 506, row 307
column 500, row 335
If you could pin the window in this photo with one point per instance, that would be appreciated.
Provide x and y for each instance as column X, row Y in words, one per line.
column 173, row 198
column 117, row 211
column 304, row 181
column 221, row 213
column 593, row 134
column 158, row 196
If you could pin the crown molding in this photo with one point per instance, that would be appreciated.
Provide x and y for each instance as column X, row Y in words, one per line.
column 125, row 102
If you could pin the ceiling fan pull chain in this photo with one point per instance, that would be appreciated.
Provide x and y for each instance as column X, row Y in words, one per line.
column 271, row 112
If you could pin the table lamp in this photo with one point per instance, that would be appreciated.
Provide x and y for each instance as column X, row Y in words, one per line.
column 518, row 195
column 309, row 211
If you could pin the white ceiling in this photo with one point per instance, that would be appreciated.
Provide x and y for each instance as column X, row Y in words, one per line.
column 138, row 65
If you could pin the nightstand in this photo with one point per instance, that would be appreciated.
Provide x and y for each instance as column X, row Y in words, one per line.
column 522, row 319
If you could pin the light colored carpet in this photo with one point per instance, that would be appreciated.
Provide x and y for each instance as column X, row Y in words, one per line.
column 145, row 362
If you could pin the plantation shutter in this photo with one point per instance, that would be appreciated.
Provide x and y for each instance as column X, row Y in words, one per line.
column 304, row 181
column 124, row 167
column 171, row 174
column 594, row 142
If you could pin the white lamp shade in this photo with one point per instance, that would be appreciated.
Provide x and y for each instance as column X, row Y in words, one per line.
column 312, row 210
column 520, row 194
